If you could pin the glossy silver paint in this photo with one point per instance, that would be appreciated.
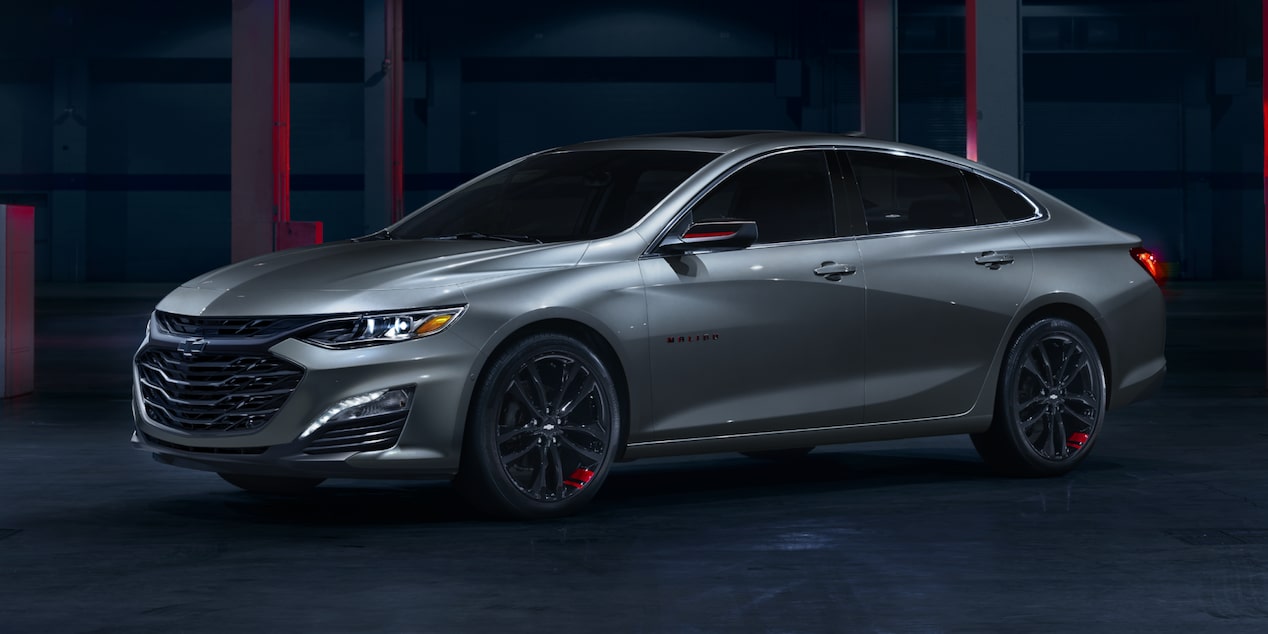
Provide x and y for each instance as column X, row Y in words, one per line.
column 765, row 353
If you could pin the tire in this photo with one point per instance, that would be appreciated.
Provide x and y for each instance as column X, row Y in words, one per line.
column 271, row 484
column 780, row 455
column 543, row 429
column 1050, row 404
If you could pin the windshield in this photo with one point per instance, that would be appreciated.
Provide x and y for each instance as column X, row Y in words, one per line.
column 578, row 195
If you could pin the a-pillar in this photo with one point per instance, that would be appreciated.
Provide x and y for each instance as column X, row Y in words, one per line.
column 384, row 103
column 877, row 69
column 993, row 84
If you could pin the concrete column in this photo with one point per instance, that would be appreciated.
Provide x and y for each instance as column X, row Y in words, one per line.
column 68, row 202
column 878, row 69
column 17, row 300
column 252, row 135
column 993, row 84
column 383, row 111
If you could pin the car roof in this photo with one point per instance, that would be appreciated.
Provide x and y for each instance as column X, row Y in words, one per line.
column 724, row 141
column 756, row 142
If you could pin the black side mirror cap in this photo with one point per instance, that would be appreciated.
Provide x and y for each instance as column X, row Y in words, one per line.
column 711, row 236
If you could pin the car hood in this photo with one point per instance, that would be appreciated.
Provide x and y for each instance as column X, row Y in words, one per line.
column 349, row 277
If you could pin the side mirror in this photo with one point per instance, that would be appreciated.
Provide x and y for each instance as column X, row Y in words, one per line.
column 711, row 236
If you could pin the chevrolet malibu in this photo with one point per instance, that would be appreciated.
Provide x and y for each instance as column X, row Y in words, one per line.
column 756, row 292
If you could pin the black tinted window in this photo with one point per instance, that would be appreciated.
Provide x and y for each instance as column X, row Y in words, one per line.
column 904, row 193
column 789, row 195
column 559, row 196
column 1009, row 202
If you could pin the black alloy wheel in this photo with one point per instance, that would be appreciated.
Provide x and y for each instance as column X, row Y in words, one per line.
column 271, row 484
column 1050, row 403
column 542, row 432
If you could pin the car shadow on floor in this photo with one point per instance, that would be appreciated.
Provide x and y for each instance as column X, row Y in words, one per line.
column 653, row 486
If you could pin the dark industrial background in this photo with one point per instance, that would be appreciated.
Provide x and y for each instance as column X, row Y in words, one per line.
column 115, row 125
column 115, row 116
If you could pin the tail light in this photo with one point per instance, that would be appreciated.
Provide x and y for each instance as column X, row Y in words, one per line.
column 1150, row 262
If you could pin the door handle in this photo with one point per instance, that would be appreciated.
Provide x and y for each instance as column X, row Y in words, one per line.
column 833, row 271
column 993, row 260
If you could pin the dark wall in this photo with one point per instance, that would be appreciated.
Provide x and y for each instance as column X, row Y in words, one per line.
column 114, row 117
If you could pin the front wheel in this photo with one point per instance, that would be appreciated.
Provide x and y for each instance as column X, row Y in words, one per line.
column 271, row 484
column 543, row 430
column 1050, row 403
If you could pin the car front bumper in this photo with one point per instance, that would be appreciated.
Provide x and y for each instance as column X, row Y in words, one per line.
column 439, row 369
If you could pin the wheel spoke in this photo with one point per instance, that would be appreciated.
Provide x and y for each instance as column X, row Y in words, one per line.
column 1074, row 374
column 508, row 458
column 584, row 452
column 1035, row 429
column 517, row 391
column 558, row 468
column 1047, row 364
column 1028, row 423
column 1029, row 366
column 514, row 433
column 1021, row 407
column 539, row 482
column 539, row 386
column 1047, row 449
column 585, row 429
column 587, row 386
column 1086, row 400
column 1058, row 436
column 568, row 375
column 1080, row 417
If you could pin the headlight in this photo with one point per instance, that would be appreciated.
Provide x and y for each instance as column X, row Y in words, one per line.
column 371, row 330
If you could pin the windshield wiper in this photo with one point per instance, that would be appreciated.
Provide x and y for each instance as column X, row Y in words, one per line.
column 476, row 235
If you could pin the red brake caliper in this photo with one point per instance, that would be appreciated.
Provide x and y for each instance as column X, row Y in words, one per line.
column 1076, row 441
column 579, row 478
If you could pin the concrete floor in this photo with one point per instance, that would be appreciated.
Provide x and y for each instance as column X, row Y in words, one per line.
column 1163, row 529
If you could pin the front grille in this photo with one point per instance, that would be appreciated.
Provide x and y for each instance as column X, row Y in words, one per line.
column 214, row 392
column 227, row 327
column 366, row 434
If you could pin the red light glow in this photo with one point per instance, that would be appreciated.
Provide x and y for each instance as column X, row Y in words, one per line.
column 1150, row 263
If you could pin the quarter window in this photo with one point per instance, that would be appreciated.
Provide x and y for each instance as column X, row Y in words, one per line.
column 903, row 193
column 1012, row 204
column 788, row 195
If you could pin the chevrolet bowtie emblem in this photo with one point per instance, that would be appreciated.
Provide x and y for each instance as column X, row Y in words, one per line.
column 192, row 346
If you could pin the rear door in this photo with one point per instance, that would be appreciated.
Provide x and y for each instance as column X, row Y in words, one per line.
column 943, row 281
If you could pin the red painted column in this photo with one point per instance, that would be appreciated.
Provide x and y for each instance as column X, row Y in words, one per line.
column 260, row 194
column 970, row 79
column 281, row 168
column 17, row 300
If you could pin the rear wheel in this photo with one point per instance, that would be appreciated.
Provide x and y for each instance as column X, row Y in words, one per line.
column 1050, row 403
column 543, row 429
column 271, row 484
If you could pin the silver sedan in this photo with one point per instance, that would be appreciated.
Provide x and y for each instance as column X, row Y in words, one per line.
column 758, row 292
